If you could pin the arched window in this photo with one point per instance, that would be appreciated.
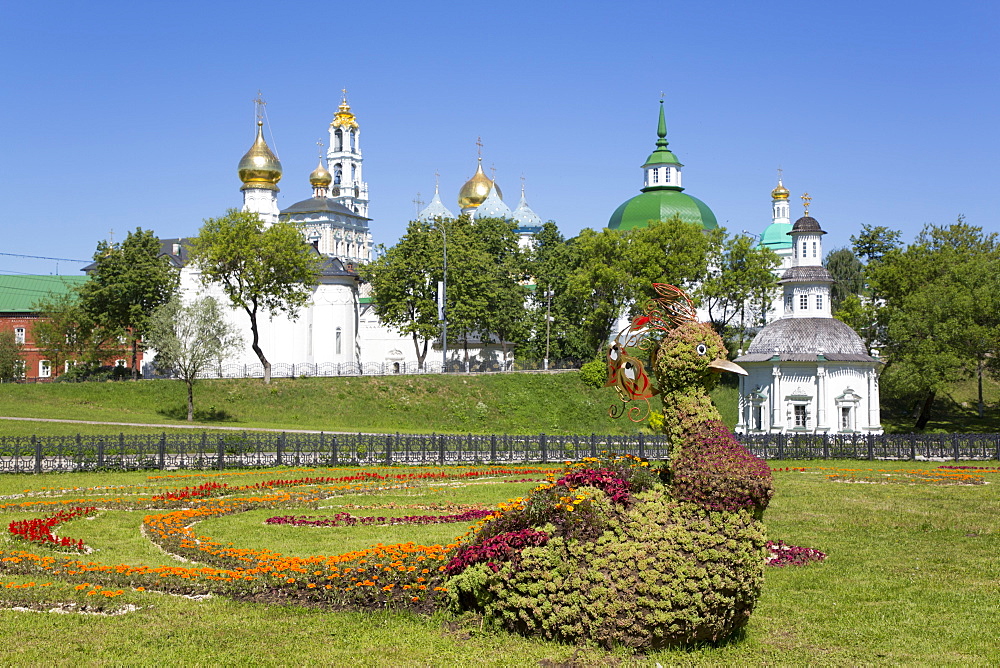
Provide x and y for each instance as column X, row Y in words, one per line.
column 338, row 140
column 338, row 173
column 353, row 142
column 656, row 174
column 337, row 342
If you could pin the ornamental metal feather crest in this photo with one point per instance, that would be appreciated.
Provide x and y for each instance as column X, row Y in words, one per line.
column 626, row 373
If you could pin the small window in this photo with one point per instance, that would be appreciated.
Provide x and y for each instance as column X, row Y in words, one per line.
column 666, row 175
column 788, row 302
column 19, row 335
column 845, row 418
column 70, row 364
column 803, row 302
column 757, row 420
column 337, row 339
column 44, row 369
column 120, row 364
column 656, row 174
column 800, row 416
column 814, row 249
column 804, row 254
column 19, row 368
column 819, row 302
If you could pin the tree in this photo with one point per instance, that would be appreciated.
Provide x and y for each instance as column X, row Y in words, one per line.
column 505, row 289
column 848, row 274
column 874, row 242
column 941, row 310
column 615, row 270
column 738, row 290
column 67, row 332
column 11, row 360
column 551, row 261
column 259, row 269
column 128, row 282
column 189, row 338
column 404, row 287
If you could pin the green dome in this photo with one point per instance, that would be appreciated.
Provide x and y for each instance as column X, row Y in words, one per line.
column 662, row 205
column 776, row 236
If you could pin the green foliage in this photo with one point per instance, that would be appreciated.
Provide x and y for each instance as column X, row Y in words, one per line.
column 403, row 281
column 616, row 269
column 11, row 359
column 262, row 270
column 70, row 333
column 129, row 280
column 941, row 311
column 848, row 274
column 666, row 573
column 189, row 338
column 738, row 289
column 594, row 374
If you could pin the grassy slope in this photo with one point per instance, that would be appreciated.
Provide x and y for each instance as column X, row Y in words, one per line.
column 521, row 403
column 911, row 579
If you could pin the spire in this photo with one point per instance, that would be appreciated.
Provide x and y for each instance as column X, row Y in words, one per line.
column 661, row 128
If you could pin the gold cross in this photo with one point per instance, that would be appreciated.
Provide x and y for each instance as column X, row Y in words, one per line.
column 321, row 145
column 259, row 105
column 344, row 91
column 780, row 170
column 805, row 202
column 479, row 143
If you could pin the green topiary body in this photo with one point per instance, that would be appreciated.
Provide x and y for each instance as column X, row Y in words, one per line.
column 665, row 573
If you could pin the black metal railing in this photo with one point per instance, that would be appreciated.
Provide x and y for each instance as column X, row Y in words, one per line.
column 229, row 449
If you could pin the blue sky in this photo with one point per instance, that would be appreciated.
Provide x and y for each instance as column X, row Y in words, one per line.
column 118, row 115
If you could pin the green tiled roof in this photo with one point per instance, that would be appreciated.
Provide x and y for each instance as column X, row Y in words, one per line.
column 18, row 294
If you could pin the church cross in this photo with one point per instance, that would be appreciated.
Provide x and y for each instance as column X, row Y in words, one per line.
column 805, row 202
column 780, row 171
column 418, row 203
column 479, row 143
column 321, row 145
column 259, row 104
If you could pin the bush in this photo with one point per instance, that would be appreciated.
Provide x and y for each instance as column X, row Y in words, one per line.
column 667, row 573
column 714, row 471
column 594, row 374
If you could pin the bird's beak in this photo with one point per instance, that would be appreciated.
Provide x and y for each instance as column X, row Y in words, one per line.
column 718, row 366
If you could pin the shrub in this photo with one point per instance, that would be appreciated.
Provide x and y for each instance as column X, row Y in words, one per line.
column 594, row 374
column 666, row 573
column 714, row 471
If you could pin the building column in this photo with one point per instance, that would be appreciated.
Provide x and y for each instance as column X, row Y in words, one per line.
column 777, row 420
column 741, row 421
column 821, row 424
column 873, row 407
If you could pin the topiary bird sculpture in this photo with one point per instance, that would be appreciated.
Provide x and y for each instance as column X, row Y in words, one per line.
column 610, row 553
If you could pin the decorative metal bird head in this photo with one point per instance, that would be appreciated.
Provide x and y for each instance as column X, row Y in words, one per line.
column 669, row 316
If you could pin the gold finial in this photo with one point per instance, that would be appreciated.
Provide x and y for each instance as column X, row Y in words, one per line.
column 479, row 143
column 343, row 92
column 806, row 199
column 321, row 145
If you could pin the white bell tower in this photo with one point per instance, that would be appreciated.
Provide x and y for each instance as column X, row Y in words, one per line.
column 344, row 161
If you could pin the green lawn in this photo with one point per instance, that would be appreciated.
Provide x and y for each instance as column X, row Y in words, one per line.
column 514, row 403
column 912, row 578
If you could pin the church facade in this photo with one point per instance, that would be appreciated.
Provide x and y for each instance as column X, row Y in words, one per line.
column 808, row 372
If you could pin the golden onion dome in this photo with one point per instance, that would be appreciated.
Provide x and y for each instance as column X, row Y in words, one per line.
column 320, row 177
column 259, row 168
column 344, row 118
column 781, row 192
column 476, row 189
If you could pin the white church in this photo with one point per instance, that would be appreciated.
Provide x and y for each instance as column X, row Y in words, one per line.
column 807, row 371
column 337, row 332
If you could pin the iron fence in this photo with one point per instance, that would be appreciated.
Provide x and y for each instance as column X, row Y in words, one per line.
column 222, row 450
